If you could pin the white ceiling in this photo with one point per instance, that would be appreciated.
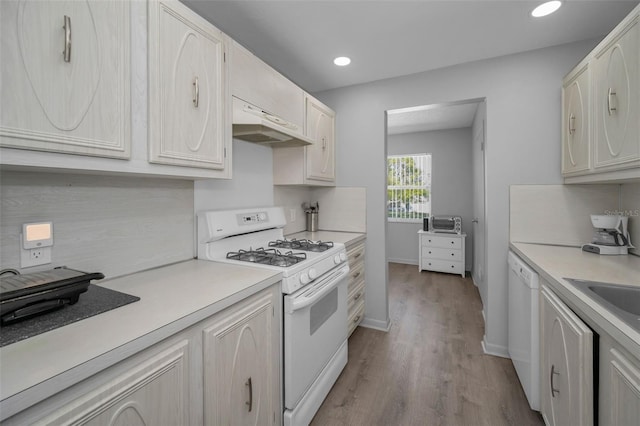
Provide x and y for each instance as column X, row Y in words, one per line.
column 387, row 39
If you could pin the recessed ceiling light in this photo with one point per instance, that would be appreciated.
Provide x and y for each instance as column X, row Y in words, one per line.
column 546, row 8
column 341, row 61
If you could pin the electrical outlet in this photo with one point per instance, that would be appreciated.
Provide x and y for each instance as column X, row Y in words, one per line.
column 292, row 215
column 35, row 257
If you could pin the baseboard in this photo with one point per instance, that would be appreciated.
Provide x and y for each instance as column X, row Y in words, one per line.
column 376, row 324
column 496, row 350
column 404, row 261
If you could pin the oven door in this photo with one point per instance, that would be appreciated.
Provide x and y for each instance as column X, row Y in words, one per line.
column 315, row 326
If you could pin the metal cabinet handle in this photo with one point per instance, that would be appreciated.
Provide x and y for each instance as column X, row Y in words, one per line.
column 572, row 124
column 250, row 402
column 553, row 390
column 196, row 96
column 67, row 39
column 324, row 143
column 357, row 296
column 610, row 108
column 356, row 275
column 356, row 319
column 357, row 256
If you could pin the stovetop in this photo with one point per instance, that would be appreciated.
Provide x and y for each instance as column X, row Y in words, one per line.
column 268, row 257
column 304, row 245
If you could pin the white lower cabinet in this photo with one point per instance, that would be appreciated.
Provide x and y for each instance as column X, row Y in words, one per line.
column 619, row 387
column 224, row 370
column 441, row 252
column 566, row 364
column 241, row 365
column 356, row 289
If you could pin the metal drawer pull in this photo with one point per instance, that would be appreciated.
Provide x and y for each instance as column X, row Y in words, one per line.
column 250, row 402
column 611, row 93
column 67, row 39
column 356, row 275
column 453, row 254
column 357, row 296
column 355, row 320
column 357, row 256
column 553, row 391
column 196, row 96
column 572, row 124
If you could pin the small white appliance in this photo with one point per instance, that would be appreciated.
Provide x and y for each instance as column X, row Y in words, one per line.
column 611, row 235
column 524, row 343
column 314, row 286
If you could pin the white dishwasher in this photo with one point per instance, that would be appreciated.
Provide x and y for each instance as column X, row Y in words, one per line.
column 524, row 338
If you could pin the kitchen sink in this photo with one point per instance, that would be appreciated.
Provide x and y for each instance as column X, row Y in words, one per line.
column 622, row 301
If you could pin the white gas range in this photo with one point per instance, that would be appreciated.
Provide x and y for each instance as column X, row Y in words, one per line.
column 314, row 287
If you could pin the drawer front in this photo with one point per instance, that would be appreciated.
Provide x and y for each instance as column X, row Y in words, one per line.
column 441, row 242
column 356, row 255
column 355, row 295
column 356, row 316
column 442, row 266
column 442, row 254
column 356, row 274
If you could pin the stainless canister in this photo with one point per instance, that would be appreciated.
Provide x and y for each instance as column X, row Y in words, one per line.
column 312, row 221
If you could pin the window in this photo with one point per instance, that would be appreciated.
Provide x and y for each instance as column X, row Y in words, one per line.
column 408, row 187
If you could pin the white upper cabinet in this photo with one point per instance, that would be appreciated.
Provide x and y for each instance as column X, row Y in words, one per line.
column 253, row 81
column 575, row 122
column 601, row 110
column 312, row 165
column 617, row 99
column 320, row 123
column 188, row 102
column 65, row 82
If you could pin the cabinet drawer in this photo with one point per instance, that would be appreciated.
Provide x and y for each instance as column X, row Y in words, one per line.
column 356, row 294
column 442, row 266
column 356, row 273
column 442, row 242
column 442, row 254
column 356, row 316
column 356, row 255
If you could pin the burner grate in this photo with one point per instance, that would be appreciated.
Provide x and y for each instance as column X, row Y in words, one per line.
column 304, row 245
column 267, row 257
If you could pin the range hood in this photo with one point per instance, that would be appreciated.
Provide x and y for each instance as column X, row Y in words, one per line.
column 252, row 124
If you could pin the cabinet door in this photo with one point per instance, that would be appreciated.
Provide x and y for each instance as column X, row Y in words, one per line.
column 154, row 392
column 575, row 123
column 566, row 376
column 320, row 156
column 240, row 366
column 65, row 76
column 617, row 104
column 187, row 91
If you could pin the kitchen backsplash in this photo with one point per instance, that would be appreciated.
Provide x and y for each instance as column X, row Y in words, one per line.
column 113, row 225
column 630, row 206
column 558, row 214
column 341, row 208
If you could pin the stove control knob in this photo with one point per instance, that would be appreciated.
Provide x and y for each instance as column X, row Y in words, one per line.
column 336, row 259
column 343, row 256
column 313, row 274
column 304, row 278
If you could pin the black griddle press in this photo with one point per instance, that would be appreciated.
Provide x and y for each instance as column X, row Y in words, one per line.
column 34, row 293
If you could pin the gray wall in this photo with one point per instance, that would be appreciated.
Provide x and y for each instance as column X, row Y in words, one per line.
column 451, row 187
column 523, row 104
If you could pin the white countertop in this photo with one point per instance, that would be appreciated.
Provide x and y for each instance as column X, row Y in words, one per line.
column 346, row 238
column 172, row 298
column 554, row 263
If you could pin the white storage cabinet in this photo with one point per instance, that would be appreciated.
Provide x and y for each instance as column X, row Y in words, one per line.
column 566, row 359
column 441, row 252
column 188, row 103
column 356, row 289
column 66, row 77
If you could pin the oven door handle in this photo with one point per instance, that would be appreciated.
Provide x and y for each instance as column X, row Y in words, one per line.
column 316, row 292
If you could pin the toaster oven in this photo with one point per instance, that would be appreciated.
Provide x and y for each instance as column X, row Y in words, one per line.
column 446, row 224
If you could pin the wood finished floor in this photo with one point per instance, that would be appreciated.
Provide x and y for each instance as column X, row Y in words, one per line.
column 429, row 369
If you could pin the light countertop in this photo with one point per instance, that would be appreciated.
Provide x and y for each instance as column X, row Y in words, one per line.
column 554, row 263
column 347, row 238
column 172, row 298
